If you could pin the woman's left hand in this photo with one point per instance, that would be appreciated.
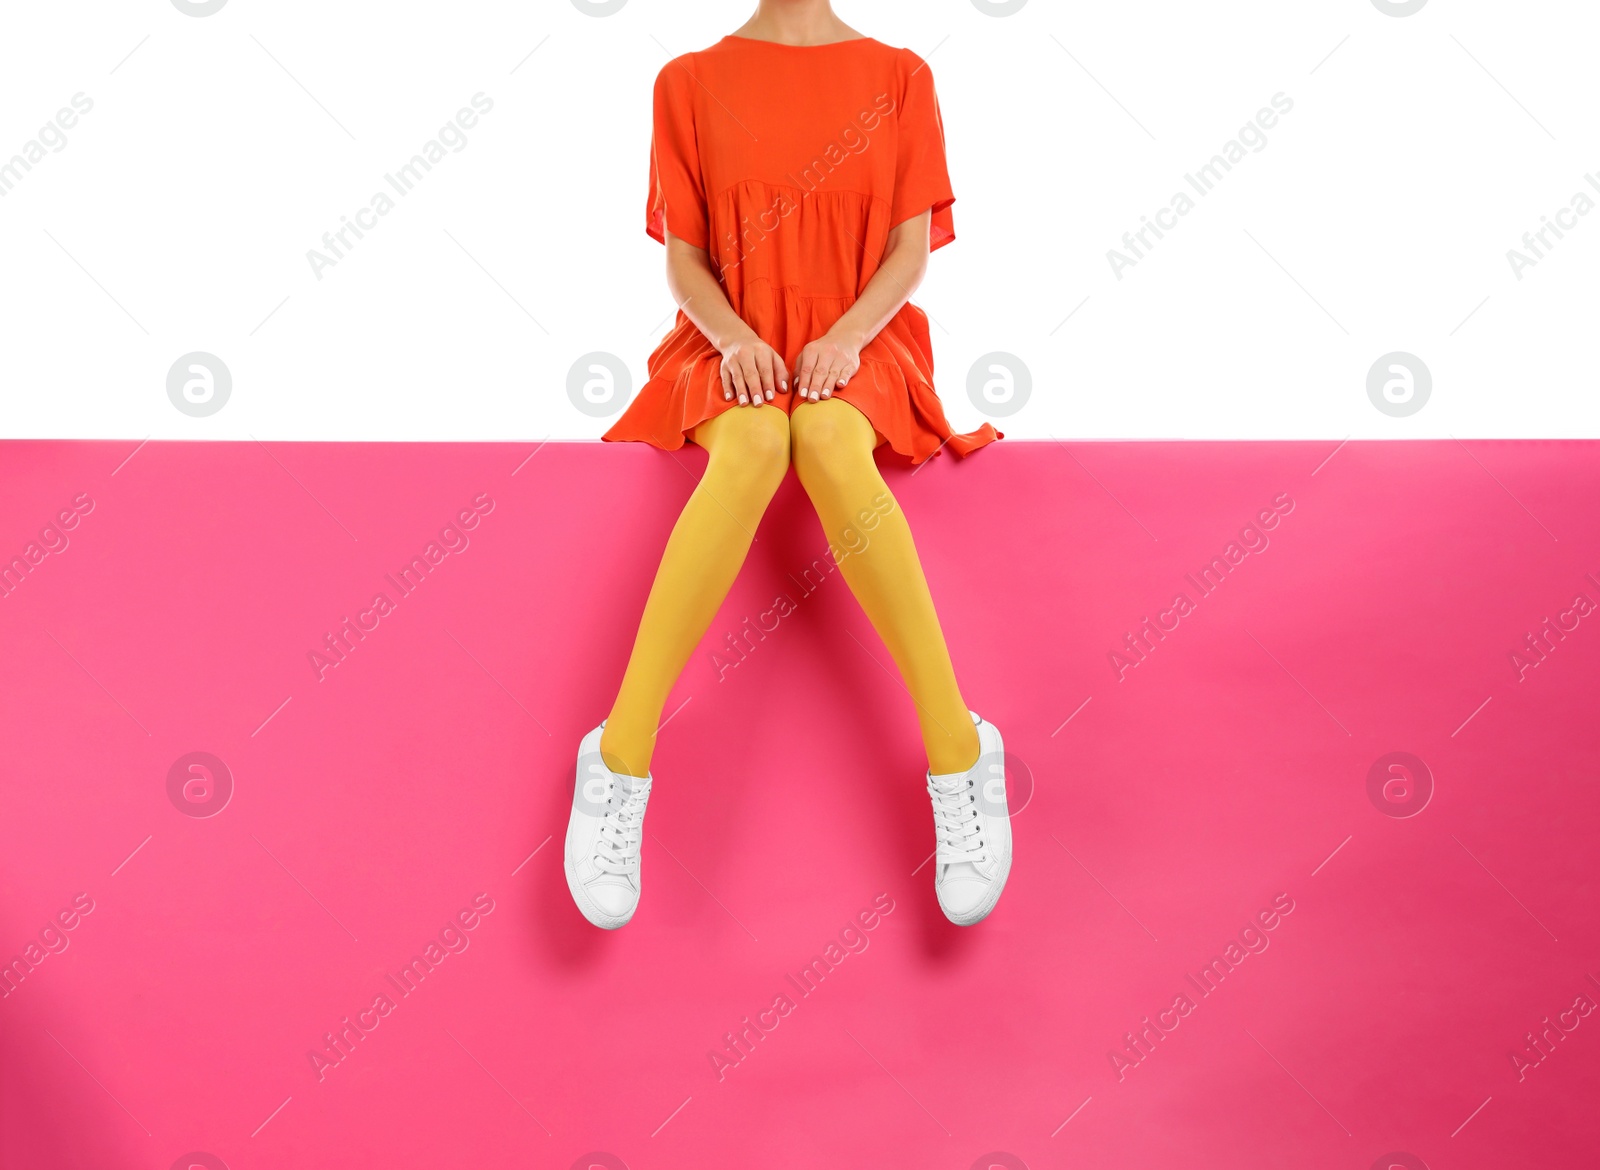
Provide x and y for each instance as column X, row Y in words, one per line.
column 826, row 363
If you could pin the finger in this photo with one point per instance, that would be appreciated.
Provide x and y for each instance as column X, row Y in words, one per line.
column 769, row 380
column 808, row 364
column 739, row 390
column 775, row 369
column 819, row 376
column 822, row 377
column 829, row 381
column 780, row 370
column 727, row 383
column 752, row 379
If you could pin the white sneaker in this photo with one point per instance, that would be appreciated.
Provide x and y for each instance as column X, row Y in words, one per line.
column 603, row 838
column 973, row 829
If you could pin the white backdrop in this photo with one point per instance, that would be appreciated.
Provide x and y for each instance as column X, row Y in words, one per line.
column 1376, row 216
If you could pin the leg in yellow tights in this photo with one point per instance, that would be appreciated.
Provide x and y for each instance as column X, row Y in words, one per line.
column 749, row 456
column 831, row 445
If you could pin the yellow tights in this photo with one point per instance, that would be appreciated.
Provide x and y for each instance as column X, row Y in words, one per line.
column 830, row 444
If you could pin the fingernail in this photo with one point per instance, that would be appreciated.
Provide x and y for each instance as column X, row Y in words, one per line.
column 784, row 383
column 727, row 396
column 743, row 400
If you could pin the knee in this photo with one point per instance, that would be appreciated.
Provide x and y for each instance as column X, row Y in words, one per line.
column 831, row 441
column 753, row 450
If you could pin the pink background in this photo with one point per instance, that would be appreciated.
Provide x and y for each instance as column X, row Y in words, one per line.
column 1228, row 768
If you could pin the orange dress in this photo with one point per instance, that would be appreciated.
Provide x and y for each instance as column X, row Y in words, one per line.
column 789, row 165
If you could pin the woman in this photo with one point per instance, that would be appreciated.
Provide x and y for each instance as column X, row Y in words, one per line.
column 798, row 182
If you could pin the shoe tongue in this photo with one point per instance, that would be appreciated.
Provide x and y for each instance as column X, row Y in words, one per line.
column 623, row 787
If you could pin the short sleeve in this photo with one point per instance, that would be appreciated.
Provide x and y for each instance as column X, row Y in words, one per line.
column 677, row 201
column 921, row 180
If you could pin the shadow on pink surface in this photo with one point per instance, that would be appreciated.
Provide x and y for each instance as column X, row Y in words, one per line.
column 1303, row 742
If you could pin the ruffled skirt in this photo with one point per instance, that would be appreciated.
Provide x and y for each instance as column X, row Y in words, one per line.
column 893, row 388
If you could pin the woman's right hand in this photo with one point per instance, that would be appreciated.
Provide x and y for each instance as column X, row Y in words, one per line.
column 752, row 372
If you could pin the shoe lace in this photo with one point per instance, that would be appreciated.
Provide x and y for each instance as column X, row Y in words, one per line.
column 622, row 827
column 956, row 823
